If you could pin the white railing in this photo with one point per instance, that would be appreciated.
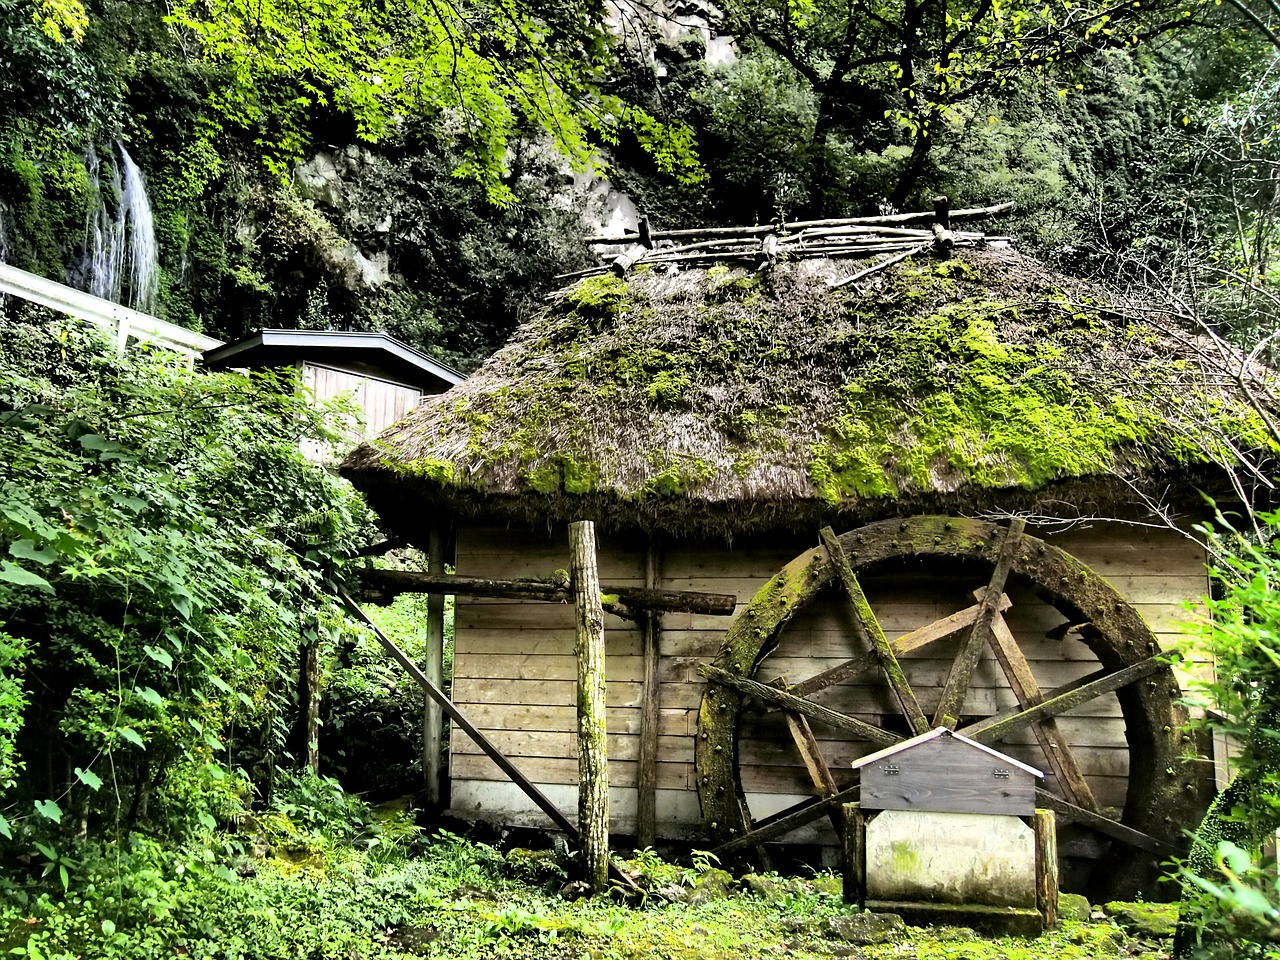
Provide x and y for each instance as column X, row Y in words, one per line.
column 122, row 322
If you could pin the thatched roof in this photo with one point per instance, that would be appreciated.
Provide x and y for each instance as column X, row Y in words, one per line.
column 723, row 400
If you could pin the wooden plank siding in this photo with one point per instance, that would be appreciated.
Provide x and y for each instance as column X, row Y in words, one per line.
column 383, row 402
column 514, row 667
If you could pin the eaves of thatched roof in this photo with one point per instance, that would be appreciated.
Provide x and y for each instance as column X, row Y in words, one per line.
column 723, row 400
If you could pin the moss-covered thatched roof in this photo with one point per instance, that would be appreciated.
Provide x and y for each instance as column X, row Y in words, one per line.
column 721, row 400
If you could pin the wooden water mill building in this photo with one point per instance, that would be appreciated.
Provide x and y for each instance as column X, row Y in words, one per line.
column 928, row 481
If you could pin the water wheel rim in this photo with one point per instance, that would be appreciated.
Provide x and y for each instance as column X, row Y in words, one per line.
column 1160, row 797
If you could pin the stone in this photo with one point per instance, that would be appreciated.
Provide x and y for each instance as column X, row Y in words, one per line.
column 1072, row 906
column 713, row 884
column 1144, row 919
column 673, row 893
column 866, row 929
column 319, row 179
column 575, row 890
column 762, row 886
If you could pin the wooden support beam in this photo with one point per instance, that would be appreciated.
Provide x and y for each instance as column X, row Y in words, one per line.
column 628, row 259
column 867, row 629
column 915, row 640
column 854, row 841
column 309, row 688
column 1046, row 868
column 382, row 585
column 487, row 746
column 593, row 760
column 793, row 818
column 790, row 701
column 650, row 712
column 526, row 785
column 956, row 687
column 1112, row 828
column 811, row 754
column 433, row 670
column 1027, row 691
column 1064, row 698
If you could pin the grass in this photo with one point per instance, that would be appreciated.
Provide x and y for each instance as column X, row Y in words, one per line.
column 447, row 897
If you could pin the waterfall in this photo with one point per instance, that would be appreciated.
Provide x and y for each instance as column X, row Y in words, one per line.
column 122, row 260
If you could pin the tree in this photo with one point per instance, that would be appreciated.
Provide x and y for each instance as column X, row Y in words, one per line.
column 1233, row 907
column 895, row 70
column 484, row 72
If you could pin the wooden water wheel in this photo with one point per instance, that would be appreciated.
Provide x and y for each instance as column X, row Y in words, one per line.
column 1161, row 795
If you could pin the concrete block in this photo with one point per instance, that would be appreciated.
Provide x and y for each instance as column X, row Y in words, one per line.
column 959, row 858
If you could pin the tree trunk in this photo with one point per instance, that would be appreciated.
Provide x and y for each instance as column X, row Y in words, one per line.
column 593, row 764
column 310, row 699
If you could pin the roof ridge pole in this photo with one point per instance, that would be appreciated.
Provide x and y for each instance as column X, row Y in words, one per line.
column 593, row 759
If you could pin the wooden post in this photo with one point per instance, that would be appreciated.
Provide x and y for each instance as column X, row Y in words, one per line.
column 433, row 670
column 593, row 761
column 855, row 854
column 1046, row 868
column 650, row 713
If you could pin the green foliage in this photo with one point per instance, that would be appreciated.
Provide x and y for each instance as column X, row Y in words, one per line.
column 888, row 73
column 372, row 711
column 1232, row 903
column 480, row 73
column 44, row 69
column 164, row 544
column 43, row 174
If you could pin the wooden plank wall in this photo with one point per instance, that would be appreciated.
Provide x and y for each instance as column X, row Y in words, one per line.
column 514, row 667
column 383, row 402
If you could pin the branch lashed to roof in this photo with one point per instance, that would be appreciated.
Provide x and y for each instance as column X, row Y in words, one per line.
column 721, row 401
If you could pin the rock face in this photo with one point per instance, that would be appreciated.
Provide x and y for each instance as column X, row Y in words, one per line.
column 345, row 187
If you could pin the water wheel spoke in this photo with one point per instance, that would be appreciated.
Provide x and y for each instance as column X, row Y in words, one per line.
column 867, row 629
column 789, row 701
column 1060, row 700
column 788, row 820
column 1027, row 691
column 823, row 782
column 917, row 639
column 1105, row 825
column 956, row 687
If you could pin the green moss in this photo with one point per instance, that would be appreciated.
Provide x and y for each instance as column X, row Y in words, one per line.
column 437, row 471
column 600, row 299
column 564, row 474
column 677, row 478
column 668, row 388
column 951, row 398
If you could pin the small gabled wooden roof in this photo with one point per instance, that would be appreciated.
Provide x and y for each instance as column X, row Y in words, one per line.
column 375, row 353
column 934, row 734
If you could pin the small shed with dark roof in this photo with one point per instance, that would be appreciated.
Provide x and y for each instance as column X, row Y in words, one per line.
column 386, row 377
column 713, row 420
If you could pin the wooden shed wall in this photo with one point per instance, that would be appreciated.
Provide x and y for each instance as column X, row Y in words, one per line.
column 383, row 402
column 514, row 668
